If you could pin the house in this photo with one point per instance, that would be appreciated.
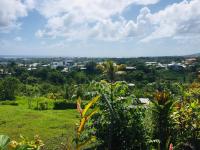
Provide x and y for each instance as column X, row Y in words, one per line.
column 120, row 72
column 65, row 70
column 153, row 63
column 31, row 68
column 21, row 65
column 131, row 84
column 46, row 65
column 176, row 66
column 54, row 65
column 83, row 68
column 190, row 61
column 130, row 68
column 144, row 101
column 34, row 65
column 68, row 62
column 159, row 65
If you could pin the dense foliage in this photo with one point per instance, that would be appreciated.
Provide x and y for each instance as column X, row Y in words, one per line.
column 142, row 108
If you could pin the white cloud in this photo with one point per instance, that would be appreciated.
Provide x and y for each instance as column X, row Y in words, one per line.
column 30, row 4
column 179, row 19
column 87, row 9
column 93, row 19
column 11, row 11
column 104, row 20
column 87, row 19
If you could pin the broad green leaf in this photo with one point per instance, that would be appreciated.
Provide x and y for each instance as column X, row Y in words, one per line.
column 92, row 113
column 4, row 141
column 84, row 120
column 93, row 101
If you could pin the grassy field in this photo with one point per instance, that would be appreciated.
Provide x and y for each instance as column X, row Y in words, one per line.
column 53, row 126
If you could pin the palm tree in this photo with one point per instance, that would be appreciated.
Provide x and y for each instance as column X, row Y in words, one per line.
column 109, row 68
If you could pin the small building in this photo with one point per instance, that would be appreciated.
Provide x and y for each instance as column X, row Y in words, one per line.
column 34, row 65
column 120, row 72
column 46, row 65
column 131, row 84
column 83, row 68
column 65, row 70
column 21, row 65
column 31, row 68
column 176, row 66
column 152, row 63
column 68, row 62
column 130, row 68
column 161, row 66
column 54, row 65
column 144, row 101
column 190, row 61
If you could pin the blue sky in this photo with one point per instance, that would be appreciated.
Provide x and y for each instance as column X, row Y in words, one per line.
column 99, row 28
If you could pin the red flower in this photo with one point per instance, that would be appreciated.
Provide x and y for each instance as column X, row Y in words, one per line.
column 171, row 146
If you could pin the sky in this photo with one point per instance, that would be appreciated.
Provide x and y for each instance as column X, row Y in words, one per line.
column 99, row 28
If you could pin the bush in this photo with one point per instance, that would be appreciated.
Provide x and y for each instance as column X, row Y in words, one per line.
column 42, row 106
column 42, row 103
column 13, row 103
column 62, row 104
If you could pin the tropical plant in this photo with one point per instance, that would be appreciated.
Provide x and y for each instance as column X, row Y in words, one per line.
column 162, row 110
column 85, row 114
column 187, row 119
column 119, row 123
column 25, row 144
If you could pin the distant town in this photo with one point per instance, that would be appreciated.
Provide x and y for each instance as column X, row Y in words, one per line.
column 69, row 64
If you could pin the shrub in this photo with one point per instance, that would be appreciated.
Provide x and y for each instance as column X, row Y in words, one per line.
column 62, row 104
column 13, row 103
column 42, row 106
column 42, row 103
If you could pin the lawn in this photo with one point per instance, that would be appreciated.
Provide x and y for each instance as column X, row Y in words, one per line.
column 53, row 126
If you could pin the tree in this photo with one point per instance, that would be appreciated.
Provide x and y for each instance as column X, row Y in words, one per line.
column 110, row 69
column 9, row 87
column 2, row 93
column 91, row 67
column 56, row 77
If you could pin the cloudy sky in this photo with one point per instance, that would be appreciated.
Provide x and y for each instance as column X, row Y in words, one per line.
column 111, row 28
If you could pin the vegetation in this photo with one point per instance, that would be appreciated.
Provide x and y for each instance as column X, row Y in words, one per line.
column 53, row 126
column 142, row 107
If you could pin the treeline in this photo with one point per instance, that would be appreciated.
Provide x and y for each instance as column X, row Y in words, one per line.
column 45, row 80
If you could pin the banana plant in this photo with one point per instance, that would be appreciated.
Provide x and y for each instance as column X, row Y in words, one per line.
column 85, row 114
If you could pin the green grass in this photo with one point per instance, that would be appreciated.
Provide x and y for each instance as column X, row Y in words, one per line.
column 48, row 124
